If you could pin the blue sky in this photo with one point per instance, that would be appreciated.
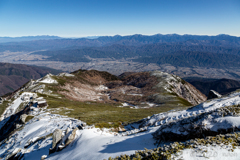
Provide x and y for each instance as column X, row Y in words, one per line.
column 78, row 18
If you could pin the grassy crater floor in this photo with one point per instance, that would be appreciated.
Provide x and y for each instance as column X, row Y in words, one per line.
column 100, row 114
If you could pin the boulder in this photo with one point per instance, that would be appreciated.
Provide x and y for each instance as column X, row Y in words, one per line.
column 68, row 130
column 213, row 94
column 23, row 118
column 56, row 138
column 71, row 136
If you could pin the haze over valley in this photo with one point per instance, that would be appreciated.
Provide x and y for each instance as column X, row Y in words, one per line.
column 186, row 56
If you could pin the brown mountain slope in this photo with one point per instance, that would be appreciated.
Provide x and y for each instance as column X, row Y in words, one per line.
column 12, row 76
column 136, row 89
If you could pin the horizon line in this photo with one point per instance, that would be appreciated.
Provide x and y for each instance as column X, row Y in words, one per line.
column 118, row 35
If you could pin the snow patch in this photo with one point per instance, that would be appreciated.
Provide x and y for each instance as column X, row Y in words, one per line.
column 65, row 74
column 48, row 79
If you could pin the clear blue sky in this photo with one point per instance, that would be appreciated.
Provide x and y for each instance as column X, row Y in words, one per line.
column 78, row 18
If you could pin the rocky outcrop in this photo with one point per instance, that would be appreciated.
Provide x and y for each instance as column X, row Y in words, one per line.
column 71, row 137
column 188, row 92
column 175, row 85
column 23, row 118
column 56, row 138
column 61, row 140
column 213, row 94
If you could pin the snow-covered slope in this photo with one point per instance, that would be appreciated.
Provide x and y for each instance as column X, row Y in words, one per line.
column 137, row 139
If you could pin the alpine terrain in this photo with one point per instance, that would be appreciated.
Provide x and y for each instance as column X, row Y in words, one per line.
column 90, row 114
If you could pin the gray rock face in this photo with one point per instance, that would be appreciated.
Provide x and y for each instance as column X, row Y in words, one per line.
column 57, row 136
column 68, row 130
column 175, row 85
column 213, row 94
column 58, row 140
column 188, row 92
column 71, row 136
column 23, row 118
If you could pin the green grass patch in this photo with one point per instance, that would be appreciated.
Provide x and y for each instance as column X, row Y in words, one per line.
column 3, row 106
column 60, row 80
column 29, row 118
column 100, row 114
column 184, row 102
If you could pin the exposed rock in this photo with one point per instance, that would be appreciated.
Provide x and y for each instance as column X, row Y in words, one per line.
column 176, row 85
column 155, row 87
column 43, row 157
column 213, row 94
column 71, row 136
column 56, row 138
column 15, row 155
column 23, row 118
column 67, row 131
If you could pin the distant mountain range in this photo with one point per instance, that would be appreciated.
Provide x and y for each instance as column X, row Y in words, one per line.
column 52, row 42
column 27, row 38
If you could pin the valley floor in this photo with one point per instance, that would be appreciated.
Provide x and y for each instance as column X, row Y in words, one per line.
column 117, row 67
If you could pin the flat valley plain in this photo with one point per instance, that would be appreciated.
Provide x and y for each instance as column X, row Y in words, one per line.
column 118, row 66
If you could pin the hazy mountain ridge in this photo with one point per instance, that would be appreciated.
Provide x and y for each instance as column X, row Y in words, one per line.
column 13, row 76
column 132, row 40
column 148, row 52
column 195, row 59
column 27, row 38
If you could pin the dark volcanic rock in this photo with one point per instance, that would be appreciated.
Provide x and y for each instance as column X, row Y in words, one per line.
column 213, row 94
